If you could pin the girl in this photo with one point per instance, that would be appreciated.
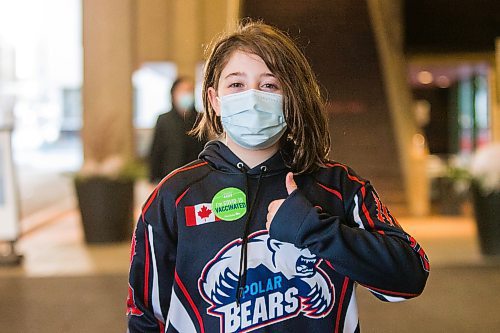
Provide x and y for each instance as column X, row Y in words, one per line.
column 202, row 258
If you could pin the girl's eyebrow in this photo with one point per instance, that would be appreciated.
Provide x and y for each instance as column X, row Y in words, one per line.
column 268, row 74
column 235, row 74
column 244, row 74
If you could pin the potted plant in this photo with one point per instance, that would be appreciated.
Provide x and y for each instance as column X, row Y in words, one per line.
column 485, row 185
column 105, row 192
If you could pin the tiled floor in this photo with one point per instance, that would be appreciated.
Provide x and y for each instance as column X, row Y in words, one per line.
column 58, row 249
column 52, row 244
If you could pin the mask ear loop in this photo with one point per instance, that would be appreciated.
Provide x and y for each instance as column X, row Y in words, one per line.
column 225, row 134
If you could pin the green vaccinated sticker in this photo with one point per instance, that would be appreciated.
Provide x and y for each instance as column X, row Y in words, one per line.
column 229, row 204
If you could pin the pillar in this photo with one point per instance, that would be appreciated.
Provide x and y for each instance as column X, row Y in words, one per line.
column 495, row 94
column 107, row 87
column 154, row 27
column 180, row 30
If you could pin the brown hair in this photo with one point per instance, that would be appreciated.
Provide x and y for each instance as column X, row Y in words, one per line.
column 306, row 142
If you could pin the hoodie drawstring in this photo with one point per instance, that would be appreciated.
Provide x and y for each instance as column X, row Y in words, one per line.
column 242, row 275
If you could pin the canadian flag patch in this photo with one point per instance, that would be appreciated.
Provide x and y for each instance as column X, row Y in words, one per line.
column 199, row 214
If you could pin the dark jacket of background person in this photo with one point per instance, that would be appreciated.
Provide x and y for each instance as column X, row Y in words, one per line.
column 171, row 146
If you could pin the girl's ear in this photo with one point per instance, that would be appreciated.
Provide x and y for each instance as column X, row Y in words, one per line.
column 214, row 101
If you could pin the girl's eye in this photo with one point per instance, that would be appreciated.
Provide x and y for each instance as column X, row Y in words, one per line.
column 236, row 85
column 270, row 86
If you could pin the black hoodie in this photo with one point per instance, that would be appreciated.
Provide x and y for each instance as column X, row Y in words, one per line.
column 203, row 261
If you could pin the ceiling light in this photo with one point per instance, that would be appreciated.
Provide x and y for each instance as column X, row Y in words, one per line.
column 442, row 81
column 425, row 77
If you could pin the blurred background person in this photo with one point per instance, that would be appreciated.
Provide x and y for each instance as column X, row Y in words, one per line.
column 171, row 146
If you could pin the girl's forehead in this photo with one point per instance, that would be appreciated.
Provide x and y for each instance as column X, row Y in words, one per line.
column 241, row 61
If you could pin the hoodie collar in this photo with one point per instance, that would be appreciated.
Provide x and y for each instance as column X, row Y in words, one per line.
column 219, row 156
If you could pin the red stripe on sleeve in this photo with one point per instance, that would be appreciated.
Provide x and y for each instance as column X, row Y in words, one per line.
column 155, row 192
column 341, row 302
column 132, row 247
column 329, row 264
column 146, row 267
column 181, row 170
column 162, row 326
column 365, row 210
column 190, row 300
column 181, row 196
column 332, row 191
column 391, row 293
column 351, row 177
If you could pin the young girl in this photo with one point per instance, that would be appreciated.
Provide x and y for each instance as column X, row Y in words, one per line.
column 264, row 233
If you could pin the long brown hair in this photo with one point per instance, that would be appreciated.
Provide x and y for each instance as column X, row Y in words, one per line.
column 306, row 142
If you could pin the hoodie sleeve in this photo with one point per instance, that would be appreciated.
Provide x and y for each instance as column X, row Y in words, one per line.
column 367, row 244
column 153, row 254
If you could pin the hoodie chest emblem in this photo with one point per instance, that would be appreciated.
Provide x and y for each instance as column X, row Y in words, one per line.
column 283, row 282
column 229, row 204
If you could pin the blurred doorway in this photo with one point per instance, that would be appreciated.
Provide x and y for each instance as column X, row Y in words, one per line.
column 40, row 86
column 453, row 107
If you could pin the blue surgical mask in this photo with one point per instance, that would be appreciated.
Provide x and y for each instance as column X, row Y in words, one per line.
column 186, row 101
column 253, row 119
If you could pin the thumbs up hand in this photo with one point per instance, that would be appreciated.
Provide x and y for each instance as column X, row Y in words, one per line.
column 290, row 183
column 276, row 204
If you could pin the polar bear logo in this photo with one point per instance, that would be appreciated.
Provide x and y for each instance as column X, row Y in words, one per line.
column 271, row 265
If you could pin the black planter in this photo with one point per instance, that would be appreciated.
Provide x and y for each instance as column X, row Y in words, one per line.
column 487, row 213
column 450, row 202
column 106, row 208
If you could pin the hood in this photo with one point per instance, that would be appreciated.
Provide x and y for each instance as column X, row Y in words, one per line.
column 220, row 157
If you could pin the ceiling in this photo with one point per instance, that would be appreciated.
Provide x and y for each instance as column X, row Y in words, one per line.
column 457, row 26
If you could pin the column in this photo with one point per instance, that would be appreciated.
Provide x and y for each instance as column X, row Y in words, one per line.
column 107, row 87
column 495, row 95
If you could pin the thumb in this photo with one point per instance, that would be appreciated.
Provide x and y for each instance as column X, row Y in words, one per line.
column 290, row 183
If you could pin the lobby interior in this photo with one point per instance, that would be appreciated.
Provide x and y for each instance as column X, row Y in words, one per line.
column 393, row 72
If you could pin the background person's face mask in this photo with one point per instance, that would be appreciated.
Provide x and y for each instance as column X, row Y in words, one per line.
column 186, row 102
column 253, row 119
